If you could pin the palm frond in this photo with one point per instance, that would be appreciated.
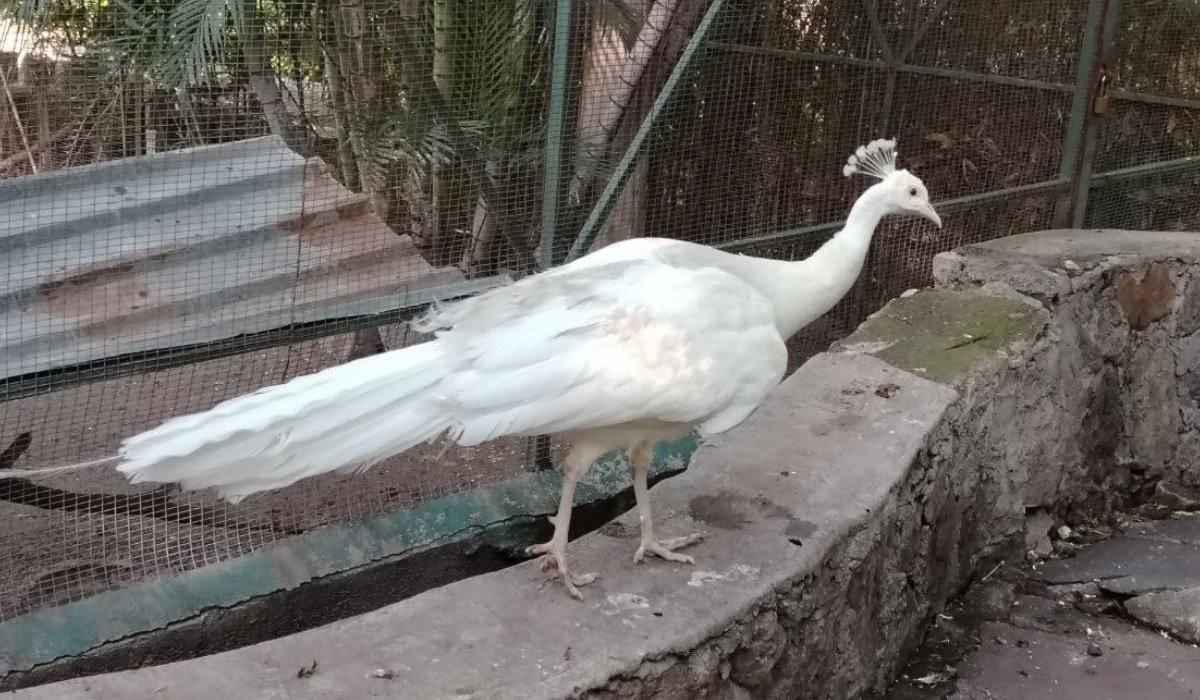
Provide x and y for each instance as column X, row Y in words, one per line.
column 425, row 143
column 196, row 31
column 497, row 72
column 35, row 14
column 140, row 37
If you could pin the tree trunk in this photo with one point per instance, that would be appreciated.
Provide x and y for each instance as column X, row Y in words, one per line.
column 476, row 261
column 644, row 68
column 357, row 60
column 450, row 222
column 347, row 163
column 266, row 89
column 611, row 75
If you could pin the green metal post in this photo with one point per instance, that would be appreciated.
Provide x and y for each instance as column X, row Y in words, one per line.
column 608, row 198
column 556, row 130
column 537, row 448
column 1084, row 74
column 1078, row 141
column 1083, row 185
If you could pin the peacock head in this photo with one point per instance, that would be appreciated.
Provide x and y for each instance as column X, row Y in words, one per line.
column 902, row 192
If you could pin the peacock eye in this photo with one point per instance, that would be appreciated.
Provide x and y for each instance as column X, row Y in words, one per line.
column 912, row 191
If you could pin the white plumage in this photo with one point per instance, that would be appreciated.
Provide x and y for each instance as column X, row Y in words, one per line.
column 642, row 341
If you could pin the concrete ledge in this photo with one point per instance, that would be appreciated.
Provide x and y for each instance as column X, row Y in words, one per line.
column 514, row 635
column 1043, row 374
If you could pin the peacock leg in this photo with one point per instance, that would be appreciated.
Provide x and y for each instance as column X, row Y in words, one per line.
column 578, row 461
column 639, row 458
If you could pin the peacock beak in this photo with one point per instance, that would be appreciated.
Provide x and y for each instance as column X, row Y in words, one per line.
column 927, row 211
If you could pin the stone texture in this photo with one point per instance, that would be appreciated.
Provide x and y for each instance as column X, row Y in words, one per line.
column 1121, row 368
column 1148, row 299
column 1189, row 309
column 992, row 600
column 1177, row 612
column 766, row 641
column 1151, row 411
column 1037, row 533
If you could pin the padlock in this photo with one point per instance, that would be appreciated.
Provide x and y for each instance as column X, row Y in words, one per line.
column 1100, row 106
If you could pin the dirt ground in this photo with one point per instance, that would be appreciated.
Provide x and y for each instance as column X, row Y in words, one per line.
column 65, row 536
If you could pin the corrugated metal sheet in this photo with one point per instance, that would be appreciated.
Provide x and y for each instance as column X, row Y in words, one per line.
column 191, row 247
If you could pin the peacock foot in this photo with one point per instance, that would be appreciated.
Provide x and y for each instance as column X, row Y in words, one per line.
column 665, row 549
column 556, row 558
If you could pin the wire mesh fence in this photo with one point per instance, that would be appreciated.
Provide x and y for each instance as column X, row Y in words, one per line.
column 1146, row 169
column 199, row 198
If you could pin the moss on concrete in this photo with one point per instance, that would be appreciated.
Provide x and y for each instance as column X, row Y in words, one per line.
column 942, row 335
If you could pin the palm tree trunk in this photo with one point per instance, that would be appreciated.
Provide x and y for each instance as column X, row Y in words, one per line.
column 358, row 60
column 614, row 73
column 266, row 89
column 644, row 68
column 347, row 163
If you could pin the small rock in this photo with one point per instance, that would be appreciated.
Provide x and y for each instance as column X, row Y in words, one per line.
column 307, row 671
column 1094, row 649
column 1143, row 664
column 1065, row 532
column 990, row 600
column 382, row 673
column 1071, row 267
column 887, row 391
column 1154, row 511
column 1064, row 548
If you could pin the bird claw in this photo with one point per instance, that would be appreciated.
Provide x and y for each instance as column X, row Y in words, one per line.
column 534, row 550
column 665, row 549
column 556, row 559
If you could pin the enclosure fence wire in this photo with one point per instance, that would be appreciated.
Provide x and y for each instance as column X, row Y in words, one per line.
column 200, row 198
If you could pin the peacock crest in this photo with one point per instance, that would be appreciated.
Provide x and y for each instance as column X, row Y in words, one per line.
column 876, row 159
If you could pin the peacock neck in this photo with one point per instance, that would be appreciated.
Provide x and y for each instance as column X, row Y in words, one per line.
column 806, row 289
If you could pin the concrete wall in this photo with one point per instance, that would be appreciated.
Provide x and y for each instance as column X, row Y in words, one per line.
column 1050, row 374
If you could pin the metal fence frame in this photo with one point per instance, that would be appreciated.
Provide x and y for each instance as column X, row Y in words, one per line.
column 1076, row 180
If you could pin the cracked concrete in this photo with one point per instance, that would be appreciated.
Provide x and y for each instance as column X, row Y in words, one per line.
column 1128, row 566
